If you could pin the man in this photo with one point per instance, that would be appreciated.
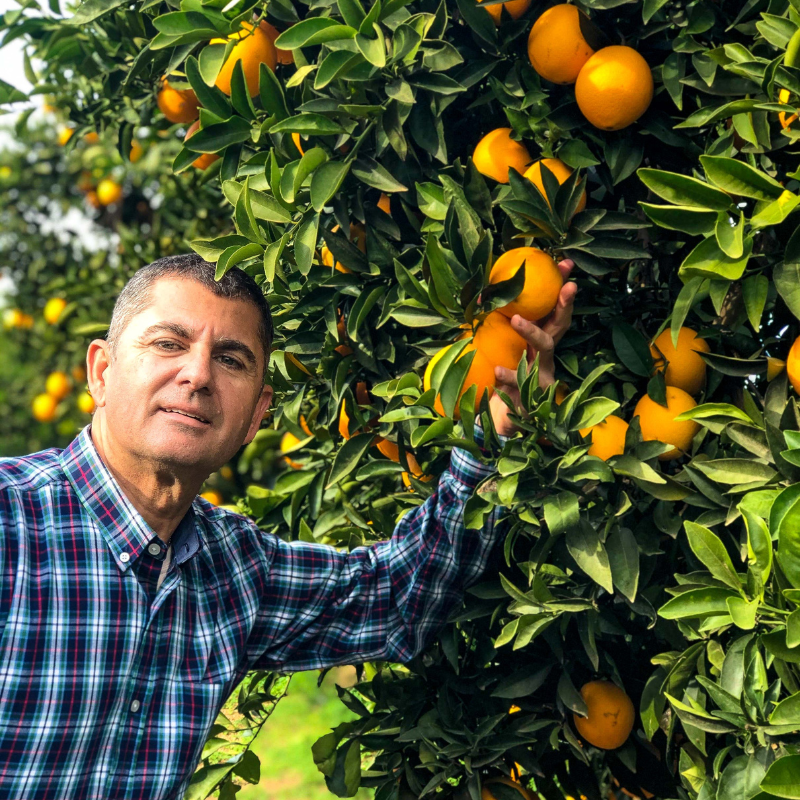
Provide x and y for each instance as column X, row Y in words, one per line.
column 130, row 608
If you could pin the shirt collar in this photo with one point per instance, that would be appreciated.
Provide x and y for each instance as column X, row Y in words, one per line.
column 125, row 530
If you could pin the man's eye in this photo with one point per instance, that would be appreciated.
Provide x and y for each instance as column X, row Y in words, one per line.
column 164, row 342
column 232, row 362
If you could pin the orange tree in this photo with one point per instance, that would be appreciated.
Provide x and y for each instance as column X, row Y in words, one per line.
column 638, row 630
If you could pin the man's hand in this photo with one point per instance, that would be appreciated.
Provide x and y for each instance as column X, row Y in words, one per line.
column 542, row 339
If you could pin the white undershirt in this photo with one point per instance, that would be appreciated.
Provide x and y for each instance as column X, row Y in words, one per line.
column 164, row 566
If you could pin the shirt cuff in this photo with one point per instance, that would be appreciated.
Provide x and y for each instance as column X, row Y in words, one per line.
column 465, row 468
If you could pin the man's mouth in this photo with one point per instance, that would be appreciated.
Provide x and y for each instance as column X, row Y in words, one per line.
column 186, row 414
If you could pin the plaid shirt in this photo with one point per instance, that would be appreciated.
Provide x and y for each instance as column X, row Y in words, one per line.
column 109, row 683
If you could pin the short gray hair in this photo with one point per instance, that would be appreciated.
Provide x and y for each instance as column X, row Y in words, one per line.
column 137, row 294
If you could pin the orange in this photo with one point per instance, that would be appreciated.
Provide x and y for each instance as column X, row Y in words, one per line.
column 26, row 322
column 389, row 449
column 86, row 403
column 12, row 318
column 177, row 105
column 515, row 709
column 288, row 441
column 542, row 285
column 91, row 138
column 44, row 407
column 561, row 172
column 53, row 309
column 296, row 140
column 64, row 135
column 93, row 200
column 793, row 365
column 109, row 192
column 363, row 399
column 608, row 437
column 785, row 119
column 498, row 342
column 684, row 367
column 516, row 8
column 79, row 373
column 213, row 497
column 358, row 233
column 658, row 423
column 556, row 47
column 614, row 88
column 282, row 56
column 486, row 789
column 205, row 160
column 416, row 471
column 226, row 472
column 136, row 152
column 57, row 385
column 497, row 152
column 342, row 349
column 254, row 49
column 611, row 715
column 774, row 368
column 385, row 204
column 480, row 374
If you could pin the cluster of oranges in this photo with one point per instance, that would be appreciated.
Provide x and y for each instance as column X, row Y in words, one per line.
column 53, row 309
column 57, row 386
column 256, row 46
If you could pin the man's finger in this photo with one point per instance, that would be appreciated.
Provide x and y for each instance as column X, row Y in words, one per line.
column 559, row 321
column 565, row 267
column 505, row 378
column 539, row 339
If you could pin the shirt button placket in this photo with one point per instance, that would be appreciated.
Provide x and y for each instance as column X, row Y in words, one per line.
column 154, row 549
column 135, row 706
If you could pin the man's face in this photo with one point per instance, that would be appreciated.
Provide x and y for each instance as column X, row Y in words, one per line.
column 193, row 351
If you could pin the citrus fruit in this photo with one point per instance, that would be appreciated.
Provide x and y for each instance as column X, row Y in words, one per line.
column 255, row 48
column 342, row 349
column 281, row 56
column 64, row 135
column 93, row 200
column 684, row 366
column 57, row 385
column 516, row 8
column 561, row 172
column 608, row 437
column 363, row 399
column 44, row 407
column 27, row 321
column 480, row 374
column 213, row 497
column 614, row 88
column 793, row 365
column 226, row 472
column 91, row 138
column 53, row 309
column 385, row 204
column 487, row 794
column 12, row 318
column 86, row 403
column 79, row 373
column 611, row 715
column 358, row 233
column 108, row 192
column 497, row 152
column 498, row 342
column 177, row 105
column 556, row 47
column 658, row 423
column 785, row 119
column 542, row 284
column 296, row 140
column 136, row 152
column 774, row 367
column 288, row 441
column 204, row 160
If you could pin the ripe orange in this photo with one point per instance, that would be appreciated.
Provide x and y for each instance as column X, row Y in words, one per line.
column 91, row 138
column 785, row 119
column 53, row 309
column 12, row 318
column 542, row 285
column 282, row 56
column 611, row 715
column 57, row 385
column 614, row 88
column 556, row 47
column 498, row 342
column 480, row 374
column 226, row 472
column 93, row 200
column 254, row 49
column 79, row 373
column 358, row 233
column 177, row 105
column 213, row 497
column 416, row 471
column 136, row 152
column 26, row 321
column 44, row 407
column 86, row 403
column 109, row 192
column 205, row 160
column 516, row 8
column 793, row 365
column 608, row 437
column 774, row 368
column 658, row 423
column 385, row 204
column 288, row 441
column 497, row 152
column 486, row 789
column 64, row 135
column 684, row 367
column 342, row 349
column 296, row 140
column 363, row 399
column 561, row 172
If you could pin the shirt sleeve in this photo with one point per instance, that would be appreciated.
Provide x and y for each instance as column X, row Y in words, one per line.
column 385, row 602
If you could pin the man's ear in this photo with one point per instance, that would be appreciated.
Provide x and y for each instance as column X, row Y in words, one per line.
column 262, row 404
column 98, row 359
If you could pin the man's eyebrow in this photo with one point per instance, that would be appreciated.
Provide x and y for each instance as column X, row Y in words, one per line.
column 223, row 343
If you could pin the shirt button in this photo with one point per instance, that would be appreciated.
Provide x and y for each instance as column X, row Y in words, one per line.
column 135, row 706
column 154, row 549
column 124, row 558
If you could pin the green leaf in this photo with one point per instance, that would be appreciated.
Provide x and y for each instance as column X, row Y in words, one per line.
column 9, row 94
column 372, row 47
column 217, row 137
column 307, row 124
column 743, row 612
column 787, row 274
column 326, row 182
column 575, row 153
column 784, row 521
column 710, row 601
column 592, row 411
column 351, row 452
column 589, row 552
column 783, row 777
column 561, row 512
column 759, row 542
column 314, row 30
column 210, row 97
column 305, row 242
column 707, row 410
column 632, row 349
column 777, row 211
column 787, row 712
column 682, row 190
column 370, row 172
column 735, row 470
column 739, row 178
column 691, row 220
column 776, row 644
column 730, row 237
column 754, row 291
column 708, row 547
column 623, row 556
column 708, row 261
column 88, row 12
